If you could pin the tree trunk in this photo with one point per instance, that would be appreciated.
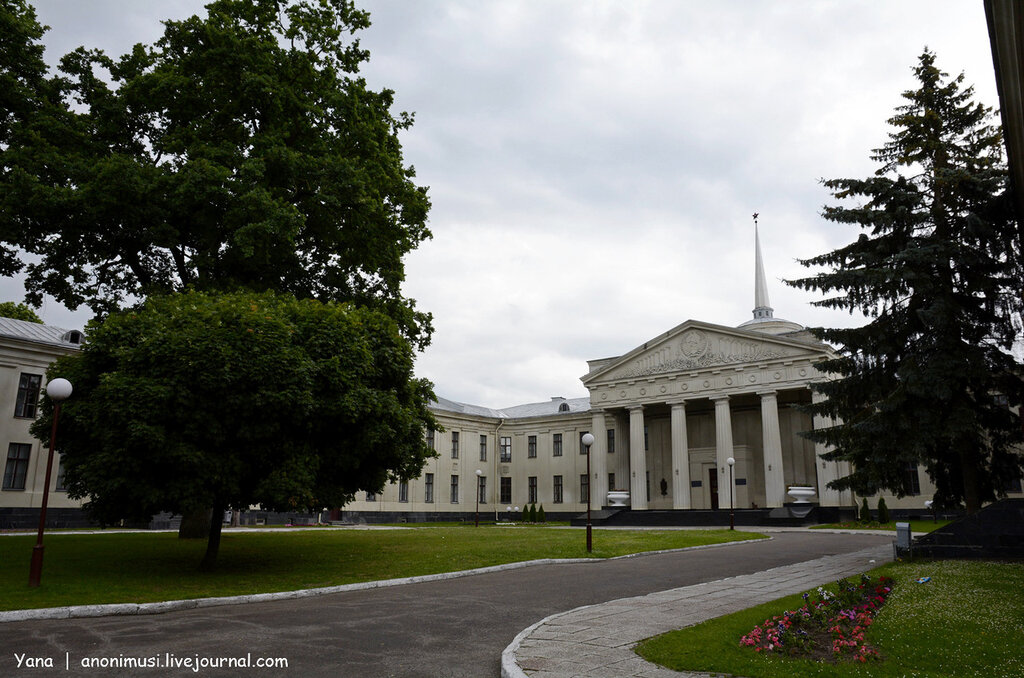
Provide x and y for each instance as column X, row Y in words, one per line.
column 213, row 543
column 195, row 524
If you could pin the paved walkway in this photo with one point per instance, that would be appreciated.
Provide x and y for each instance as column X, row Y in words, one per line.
column 598, row 640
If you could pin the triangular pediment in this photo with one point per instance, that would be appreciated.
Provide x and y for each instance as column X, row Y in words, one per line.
column 695, row 346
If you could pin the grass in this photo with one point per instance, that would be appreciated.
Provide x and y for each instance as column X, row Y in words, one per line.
column 917, row 526
column 967, row 622
column 83, row 569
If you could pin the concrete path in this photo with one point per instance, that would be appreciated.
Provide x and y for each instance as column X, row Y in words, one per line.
column 598, row 640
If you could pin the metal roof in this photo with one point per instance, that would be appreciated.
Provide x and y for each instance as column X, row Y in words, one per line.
column 36, row 333
column 544, row 409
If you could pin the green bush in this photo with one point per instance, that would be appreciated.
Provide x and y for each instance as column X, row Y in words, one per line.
column 532, row 513
column 883, row 511
column 540, row 514
column 865, row 512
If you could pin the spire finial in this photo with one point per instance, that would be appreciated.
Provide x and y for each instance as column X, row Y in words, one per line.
column 762, row 307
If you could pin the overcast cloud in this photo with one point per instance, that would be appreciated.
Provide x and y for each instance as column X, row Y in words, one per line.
column 593, row 166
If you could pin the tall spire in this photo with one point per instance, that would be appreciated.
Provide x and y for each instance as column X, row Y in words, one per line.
column 762, row 307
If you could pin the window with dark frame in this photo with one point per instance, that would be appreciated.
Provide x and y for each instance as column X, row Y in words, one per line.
column 16, row 469
column 371, row 496
column 557, row 490
column 506, row 491
column 455, row 444
column 584, row 488
column 60, row 474
column 482, row 489
column 611, row 441
column 531, row 485
column 556, row 444
column 403, row 491
column 611, row 481
column 428, row 488
column 483, row 448
column 430, row 438
column 28, row 395
column 913, row 480
column 506, row 449
column 455, row 490
column 583, row 448
column 531, row 447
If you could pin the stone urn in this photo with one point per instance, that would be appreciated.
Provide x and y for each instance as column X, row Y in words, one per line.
column 801, row 493
column 618, row 498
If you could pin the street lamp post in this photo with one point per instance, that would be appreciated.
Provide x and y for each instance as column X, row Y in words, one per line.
column 478, row 474
column 588, row 440
column 58, row 390
column 732, row 512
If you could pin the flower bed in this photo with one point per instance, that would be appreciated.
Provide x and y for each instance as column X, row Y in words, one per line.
column 828, row 628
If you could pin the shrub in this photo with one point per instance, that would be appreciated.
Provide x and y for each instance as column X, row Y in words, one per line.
column 540, row 514
column 883, row 511
column 865, row 512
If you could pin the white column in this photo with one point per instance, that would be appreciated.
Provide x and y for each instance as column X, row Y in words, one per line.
column 680, row 458
column 723, row 449
column 774, row 478
column 828, row 470
column 598, row 460
column 637, row 460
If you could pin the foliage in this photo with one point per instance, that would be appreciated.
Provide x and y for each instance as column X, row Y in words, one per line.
column 531, row 513
column 10, row 309
column 540, row 514
column 241, row 149
column 829, row 627
column 196, row 401
column 883, row 511
column 865, row 512
column 931, row 378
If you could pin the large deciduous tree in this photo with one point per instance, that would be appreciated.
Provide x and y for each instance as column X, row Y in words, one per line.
column 937, row 269
column 228, row 400
column 240, row 150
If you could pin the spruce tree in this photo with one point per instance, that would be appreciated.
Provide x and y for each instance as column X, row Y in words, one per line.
column 937, row 270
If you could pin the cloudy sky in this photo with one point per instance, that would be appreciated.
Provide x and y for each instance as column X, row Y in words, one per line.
column 593, row 165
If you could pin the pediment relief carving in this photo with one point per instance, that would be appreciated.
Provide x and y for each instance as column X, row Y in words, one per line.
column 697, row 348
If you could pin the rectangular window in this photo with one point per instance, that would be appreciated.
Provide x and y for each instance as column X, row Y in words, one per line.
column 531, row 447
column 481, row 489
column 556, row 445
column 558, row 490
column 428, row 488
column 28, row 395
column 483, row 448
column 506, row 490
column 455, row 490
column 611, row 481
column 584, row 488
column 60, row 474
column 583, row 448
column 1013, row 485
column 913, row 481
column 648, row 483
column 455, row 444
column 506, row 449
column 531, row 484
column 430, row 438
column 645, row 439
column 611, row 441
column 17, row 466
column 371, row 496
column 403, row 491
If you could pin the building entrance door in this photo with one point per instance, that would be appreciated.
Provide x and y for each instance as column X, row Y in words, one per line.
column 713, row 487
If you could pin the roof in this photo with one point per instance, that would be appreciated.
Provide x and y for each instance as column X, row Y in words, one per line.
column 544, row 409
column 37, row 333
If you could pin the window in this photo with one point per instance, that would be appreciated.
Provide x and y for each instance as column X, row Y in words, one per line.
column 481, row 490
column 645, row 439
column 506, row 449
column 428, row 488
column 648, row 483
column 584, row 487
column 531, row 484
column 455, row 444
column 403, row 491
column 371, row 496
column 60, row 474
column 455, row 490
column 483, row 448
column 531, row 447
column 564, row 407
column 506, row 490
column 611, row 441
column 430, row 438
column 611, row 481
column 583, row 448
column 17, row 466
column 556, row 445
column 28, row 395
column 913, row 481
column 1013, row 485
column 558, row 490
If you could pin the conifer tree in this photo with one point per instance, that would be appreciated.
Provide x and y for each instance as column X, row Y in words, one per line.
column 937, row 270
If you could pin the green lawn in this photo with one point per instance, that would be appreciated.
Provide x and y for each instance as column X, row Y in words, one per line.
column 967, row 622
column 918, row 526
column 81, row 569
